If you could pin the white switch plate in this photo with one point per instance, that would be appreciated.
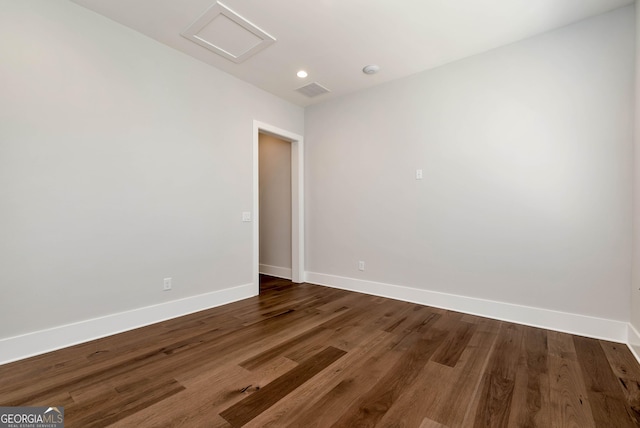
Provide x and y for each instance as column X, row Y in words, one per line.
column 418, row 174
column 167, row 284
column 246, row 216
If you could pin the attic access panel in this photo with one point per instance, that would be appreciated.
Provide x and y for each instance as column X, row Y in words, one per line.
column 227, row 34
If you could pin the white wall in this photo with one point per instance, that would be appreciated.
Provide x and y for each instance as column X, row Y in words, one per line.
column 122, row 161
column 526, row 196
column 275, row 205
column 635, row 285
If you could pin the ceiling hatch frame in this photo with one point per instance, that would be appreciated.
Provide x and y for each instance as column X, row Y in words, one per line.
column 219, row 9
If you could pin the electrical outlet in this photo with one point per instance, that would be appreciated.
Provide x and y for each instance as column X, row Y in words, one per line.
column 360, row 265
column 167, row 284
column 418, row 174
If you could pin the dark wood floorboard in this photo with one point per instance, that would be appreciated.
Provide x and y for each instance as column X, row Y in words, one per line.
column 301, row 355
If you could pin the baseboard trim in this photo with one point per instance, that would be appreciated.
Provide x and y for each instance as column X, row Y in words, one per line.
column 279, row 272
column 43, row 341
column 633, row 341
column 597, row 328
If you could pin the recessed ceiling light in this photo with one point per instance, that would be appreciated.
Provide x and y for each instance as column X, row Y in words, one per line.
column 302, row 74
column 371, row 69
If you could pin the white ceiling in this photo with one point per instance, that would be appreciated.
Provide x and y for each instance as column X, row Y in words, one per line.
column 333, row 39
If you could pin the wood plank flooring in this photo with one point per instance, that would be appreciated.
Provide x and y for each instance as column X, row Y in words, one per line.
column 301, row 355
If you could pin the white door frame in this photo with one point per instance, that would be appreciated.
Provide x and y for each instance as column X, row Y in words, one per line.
column 297, row 200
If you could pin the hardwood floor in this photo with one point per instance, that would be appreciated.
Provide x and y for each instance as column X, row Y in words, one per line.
column 311, row 356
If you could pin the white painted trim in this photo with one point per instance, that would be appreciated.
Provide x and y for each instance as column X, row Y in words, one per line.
column 256, row 204
column 297, row 199
column 277, row 271
column 39, row 342
column 297, row 210
column 633, row 341
column 598, row 328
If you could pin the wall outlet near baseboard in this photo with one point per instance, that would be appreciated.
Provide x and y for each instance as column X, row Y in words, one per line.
column 360, row 265
column 167, row 284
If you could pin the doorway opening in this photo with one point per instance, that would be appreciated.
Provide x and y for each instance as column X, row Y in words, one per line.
column 274, row 188
column 295, row 226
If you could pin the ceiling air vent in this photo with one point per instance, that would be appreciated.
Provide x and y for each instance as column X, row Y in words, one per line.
column 313, row 90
